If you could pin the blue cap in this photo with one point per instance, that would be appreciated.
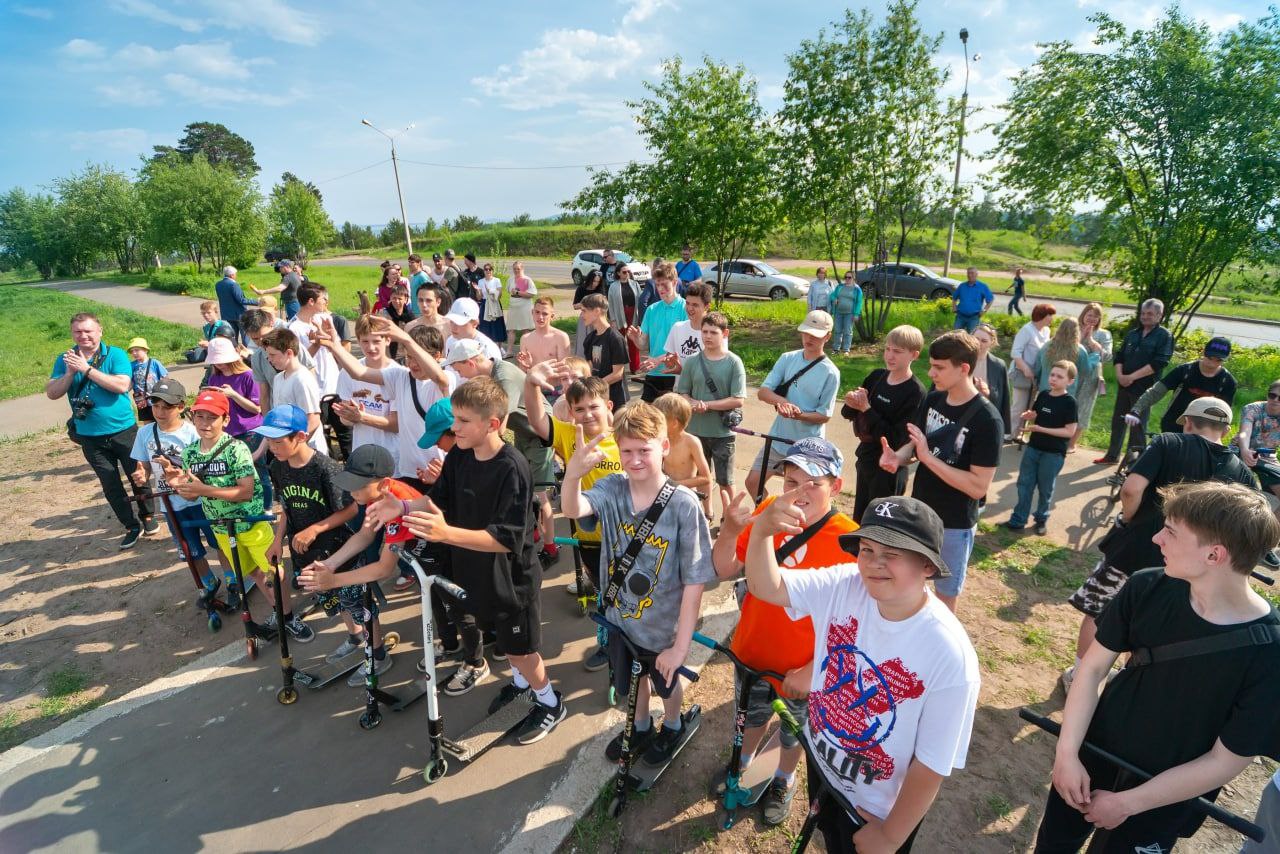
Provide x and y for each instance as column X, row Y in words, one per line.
column 283, row 421
column 439, row 418
column 815, row 457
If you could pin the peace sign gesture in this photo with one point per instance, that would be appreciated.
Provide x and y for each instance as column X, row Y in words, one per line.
column 737, row 514
column 586, row 455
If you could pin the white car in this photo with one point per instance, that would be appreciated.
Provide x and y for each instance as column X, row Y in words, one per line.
column 591, row 259
column 749, row 277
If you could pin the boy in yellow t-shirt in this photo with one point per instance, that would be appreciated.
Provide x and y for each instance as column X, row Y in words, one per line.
column 590, row 409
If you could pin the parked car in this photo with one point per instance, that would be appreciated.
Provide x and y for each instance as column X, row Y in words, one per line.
column 749, row 277
column 905, row 281
column 591, row 259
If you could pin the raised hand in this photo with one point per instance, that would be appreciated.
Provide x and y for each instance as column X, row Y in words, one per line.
column 738, row 514
column 782, row 516
column 586, row 455
column 546, row 374
column 382, row 512
column 75, row 362
column 524, row 359
column 428, row 524
column 918, row 439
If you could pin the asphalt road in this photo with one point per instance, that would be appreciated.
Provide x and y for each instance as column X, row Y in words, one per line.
column 1250, row 333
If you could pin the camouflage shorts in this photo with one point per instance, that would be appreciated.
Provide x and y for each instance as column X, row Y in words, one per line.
column 349, row 599
column 1098, row 589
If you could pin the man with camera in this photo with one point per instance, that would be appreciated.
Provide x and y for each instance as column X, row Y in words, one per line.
column 95, row 378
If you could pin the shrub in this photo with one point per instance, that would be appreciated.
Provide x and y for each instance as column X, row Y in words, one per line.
column 180, row 280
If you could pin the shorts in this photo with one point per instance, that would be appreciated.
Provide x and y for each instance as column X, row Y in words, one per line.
column 539, row 458
column 519, row 633
column 719, row 451
column 1098, row 589
column 251, row 545
column 777, row 453
column 620, row 659
column 656, row 385
column 957, row 546
column 191, row 533
column 760, row 707
column 349, row 599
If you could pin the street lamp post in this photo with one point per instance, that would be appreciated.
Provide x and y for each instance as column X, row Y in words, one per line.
column 404, row 219
column 955, row 188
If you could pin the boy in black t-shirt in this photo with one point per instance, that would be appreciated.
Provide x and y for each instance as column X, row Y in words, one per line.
column 1205, row 377
column 605, row 348
column 481, row 507
column 1193, row 720
column 1052, row 422
column 956, row 436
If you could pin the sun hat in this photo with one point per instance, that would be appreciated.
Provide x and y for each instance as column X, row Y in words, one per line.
column 221, row 352
column 139, row 344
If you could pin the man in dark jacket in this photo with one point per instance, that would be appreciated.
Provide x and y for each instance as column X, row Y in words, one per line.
column 232, row 301
column 1143, row 355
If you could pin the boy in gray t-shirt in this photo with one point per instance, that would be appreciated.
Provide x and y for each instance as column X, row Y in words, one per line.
column 659, row 599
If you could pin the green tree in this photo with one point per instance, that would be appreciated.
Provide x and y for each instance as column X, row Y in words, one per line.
column 1175, row 132
column 219, row 146
column 356, row 236
column 31, row 231
column 103, row 215
column 296, row 221
column 710, row 179
column 203, row 211
column 289, row 178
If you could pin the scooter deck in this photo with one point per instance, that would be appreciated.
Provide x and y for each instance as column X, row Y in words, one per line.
column 643, row 777
column 330, row 672
column 489, row 731
column 418, row 689
column 759, row 773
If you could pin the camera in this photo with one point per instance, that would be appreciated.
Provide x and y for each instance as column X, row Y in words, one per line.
column 81, row 407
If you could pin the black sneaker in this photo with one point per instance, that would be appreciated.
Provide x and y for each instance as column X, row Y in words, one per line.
column 1041, row 529
column 663, row 746
column 233, row 597
column 299, row 631
column 150, row 525
column 640, row 741
column 1272, row 559
column 130, row 538
column 541, row 720
column 775, row 805
column 509, row 693
column 597, row 660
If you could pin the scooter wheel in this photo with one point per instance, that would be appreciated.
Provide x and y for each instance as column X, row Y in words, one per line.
column 368, row 721
column 435, row 770
column 215, row 622
column 251, row 649
column 390, row 639
column 613, row 696
column 615, row 807
column 287, row 696
column 582, row 607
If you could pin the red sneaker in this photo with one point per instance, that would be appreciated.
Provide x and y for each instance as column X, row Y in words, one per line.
column 1105, row 461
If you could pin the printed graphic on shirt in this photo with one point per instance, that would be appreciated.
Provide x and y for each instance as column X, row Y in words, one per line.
column 857, row 708
column 371, row 400
column 688, row 345
column 942, row 434
column 637, row 589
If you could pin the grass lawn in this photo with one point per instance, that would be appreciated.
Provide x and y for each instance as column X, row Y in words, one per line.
column 33, row 327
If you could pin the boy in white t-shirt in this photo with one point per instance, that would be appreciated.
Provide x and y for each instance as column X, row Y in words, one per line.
column 294, row 384
column 464, row 322
column 685, row 338
column 313, row 300
column 367, row 407
column 896, row 684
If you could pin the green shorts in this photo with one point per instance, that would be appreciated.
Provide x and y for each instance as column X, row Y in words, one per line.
column 539, row 457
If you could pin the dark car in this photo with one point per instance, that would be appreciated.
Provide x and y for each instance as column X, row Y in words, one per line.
column 274, row 255
column 905, row 281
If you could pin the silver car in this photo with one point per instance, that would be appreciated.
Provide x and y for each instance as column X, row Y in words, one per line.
column 749, row 277
column 905, row 281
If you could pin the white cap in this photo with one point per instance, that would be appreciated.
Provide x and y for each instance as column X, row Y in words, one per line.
column 462, row 350
column 463, row 311
column 817, row 322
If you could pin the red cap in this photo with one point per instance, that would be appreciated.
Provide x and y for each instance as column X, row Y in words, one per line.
column 212, row 401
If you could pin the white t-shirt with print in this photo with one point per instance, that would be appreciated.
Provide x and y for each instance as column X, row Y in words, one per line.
column 409, row 457
column 683, row 340
column 376, row 400
column 883, row 691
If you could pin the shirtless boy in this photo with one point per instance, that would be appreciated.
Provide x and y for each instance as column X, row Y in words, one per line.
column 686, row 464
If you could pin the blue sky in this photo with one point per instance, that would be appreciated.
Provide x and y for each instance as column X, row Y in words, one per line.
column 487, row 83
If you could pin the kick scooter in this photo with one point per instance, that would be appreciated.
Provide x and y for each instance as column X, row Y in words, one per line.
column 373, row 695
column 253, row 632
column 207, row 599
column 768, row 444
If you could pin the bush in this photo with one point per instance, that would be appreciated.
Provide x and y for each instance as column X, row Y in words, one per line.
column 180, row 280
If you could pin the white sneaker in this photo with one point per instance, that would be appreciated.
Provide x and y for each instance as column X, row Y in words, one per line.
column 1068, row 676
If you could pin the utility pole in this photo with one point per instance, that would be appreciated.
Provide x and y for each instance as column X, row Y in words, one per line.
column 395, row 168
column 955, row 188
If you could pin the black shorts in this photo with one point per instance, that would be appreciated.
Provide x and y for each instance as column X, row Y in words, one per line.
column 590, row 554
column 520, row 632
column 620, row 659
column 656, row 385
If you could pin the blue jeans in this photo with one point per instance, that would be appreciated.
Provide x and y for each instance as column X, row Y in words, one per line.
column 967, row 322
column 957, row 546
column 291, row 309
column 1038, row 471
column 844, row 332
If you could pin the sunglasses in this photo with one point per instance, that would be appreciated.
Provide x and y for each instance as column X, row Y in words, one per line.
column 1271, row 395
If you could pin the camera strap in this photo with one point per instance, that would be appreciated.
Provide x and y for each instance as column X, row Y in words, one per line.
column 83, row 379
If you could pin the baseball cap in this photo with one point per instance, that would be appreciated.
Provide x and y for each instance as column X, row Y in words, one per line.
column 221, row 352
column 439, row 419
column 448, row 253
column 470, row 256
column 1217, row 348
column 814, row 456
column 1209, row 408
column 463, row 349
column 901, row 522
column 366, row 464
column 817, row 322
column 436, row 256
column 212, row 401
column 142, row 343
column 463, row 311
column 282, row 421
column 169, row 390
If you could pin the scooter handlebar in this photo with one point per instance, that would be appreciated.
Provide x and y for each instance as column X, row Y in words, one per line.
column 617, row 632
column 1212, row 810
column 226, row 522
column 449, row 587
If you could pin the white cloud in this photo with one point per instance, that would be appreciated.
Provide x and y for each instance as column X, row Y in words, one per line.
column 1219, row 21
column 130, row 140
column 556, row 70
column 273, row 18
column 207, row 59
column 209, row 95
column 33, row 12
column 82, row 49
column 640, row 11
column 131, row 91
column 152, row 12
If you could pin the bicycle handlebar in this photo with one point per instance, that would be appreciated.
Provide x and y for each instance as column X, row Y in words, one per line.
column 1210, row 809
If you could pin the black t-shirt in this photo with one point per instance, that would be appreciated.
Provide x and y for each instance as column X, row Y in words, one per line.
column 1191, row 384
column 309, row 494
column 892, row 408
column 1053, row 412
column 605, row 350
column 1168, row 713
column 493, row 495
column 1170, row 458
column 469, row 283
column 977, row 445
column 582, row 290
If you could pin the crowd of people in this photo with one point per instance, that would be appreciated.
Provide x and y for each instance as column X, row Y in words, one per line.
column 467, row 410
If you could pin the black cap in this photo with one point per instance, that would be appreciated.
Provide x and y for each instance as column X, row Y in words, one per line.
column 901, row 522
column 169, row 390
column 470, row 256
column 436, row 256
column 366, row 464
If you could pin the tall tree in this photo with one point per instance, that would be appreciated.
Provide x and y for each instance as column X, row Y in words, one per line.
column 296, row 221
column 289, row 178
column 219, row 146
column 103, row 214
column 1175, row 132
column 204, row 211
column 710, row 179
column 31, row 232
